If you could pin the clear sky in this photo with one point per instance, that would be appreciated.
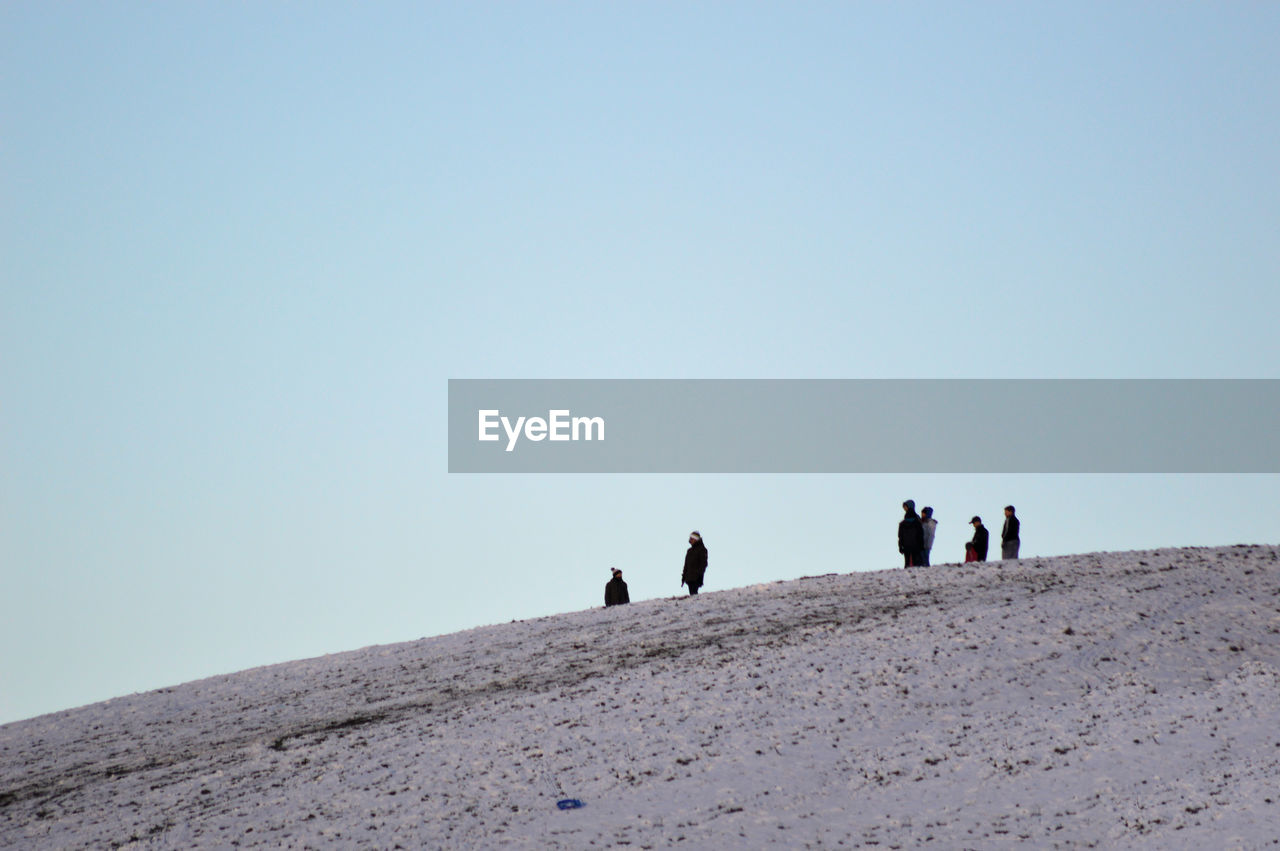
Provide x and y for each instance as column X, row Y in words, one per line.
column 243, row 247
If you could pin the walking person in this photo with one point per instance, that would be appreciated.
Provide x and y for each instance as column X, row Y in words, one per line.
column 695, row 563
column 910, row 536
column 981, row 539
column 930, row 527
column 1009, row 540
column 615, row 590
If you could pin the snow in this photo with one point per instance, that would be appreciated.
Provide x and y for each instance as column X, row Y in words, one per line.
column 1111, row 700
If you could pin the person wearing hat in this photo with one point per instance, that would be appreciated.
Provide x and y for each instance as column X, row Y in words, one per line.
column 695, row 563
column 930, row 527
column 911, row 536
column 1009, row 540
column 980, row 540
column 615, row 591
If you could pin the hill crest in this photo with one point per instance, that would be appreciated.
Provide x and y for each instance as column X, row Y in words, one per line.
column 1096, row 698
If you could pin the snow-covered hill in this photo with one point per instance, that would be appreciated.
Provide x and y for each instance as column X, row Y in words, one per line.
column 1118, row 700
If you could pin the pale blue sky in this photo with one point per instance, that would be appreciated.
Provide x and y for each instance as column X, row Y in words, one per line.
column 243, row 247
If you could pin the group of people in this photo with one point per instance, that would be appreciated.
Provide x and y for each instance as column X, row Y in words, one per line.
column 916, row 534
column 695, row 569
column 915, row 541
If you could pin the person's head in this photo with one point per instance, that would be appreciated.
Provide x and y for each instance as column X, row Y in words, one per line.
column 695, row 538
column 909, row 506
column 976, row 521
column 1008, row 511
column 927, row 511
column 616, row 573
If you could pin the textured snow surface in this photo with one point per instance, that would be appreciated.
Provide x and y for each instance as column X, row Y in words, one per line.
column 1112, row 700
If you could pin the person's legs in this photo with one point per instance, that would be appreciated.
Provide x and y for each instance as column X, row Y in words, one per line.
column 1009, row 549
column 924, row 558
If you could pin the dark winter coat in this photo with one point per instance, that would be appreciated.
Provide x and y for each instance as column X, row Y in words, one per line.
column 615, row 592
column 910, row 534
column 1010, row 532
column 695, row 565
column 981, row 537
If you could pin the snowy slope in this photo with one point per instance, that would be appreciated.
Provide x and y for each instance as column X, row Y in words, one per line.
column 1118, row 700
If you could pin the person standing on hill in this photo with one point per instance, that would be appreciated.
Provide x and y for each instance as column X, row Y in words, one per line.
column 930, row 527
column 695, row 563
column 980, row 540
column 1009, row 540
column 615, row 590
column 911, row 536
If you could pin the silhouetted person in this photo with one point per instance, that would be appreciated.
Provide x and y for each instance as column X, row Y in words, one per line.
column 695, row 563
column 979, row 544
column 1009, row 540
column 930, row 527
column 615, row 590
column 911, row 536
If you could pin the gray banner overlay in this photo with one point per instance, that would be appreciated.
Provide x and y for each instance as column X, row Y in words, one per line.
column 864, row 426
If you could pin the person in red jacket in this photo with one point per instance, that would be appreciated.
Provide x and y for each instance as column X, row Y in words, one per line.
column 981, row 537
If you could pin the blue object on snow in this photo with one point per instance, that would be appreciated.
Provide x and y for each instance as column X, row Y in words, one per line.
column 569, row 804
